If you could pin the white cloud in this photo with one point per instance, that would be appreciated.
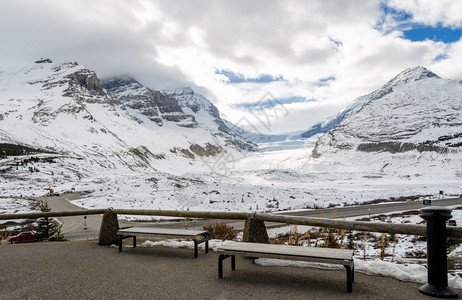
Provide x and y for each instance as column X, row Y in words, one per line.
column 167, row 45
column 430, row 12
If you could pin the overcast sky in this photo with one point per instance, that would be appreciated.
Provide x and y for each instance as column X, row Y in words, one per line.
column 309, row 58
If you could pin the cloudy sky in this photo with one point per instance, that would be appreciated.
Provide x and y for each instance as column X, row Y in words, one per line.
column 278, row 65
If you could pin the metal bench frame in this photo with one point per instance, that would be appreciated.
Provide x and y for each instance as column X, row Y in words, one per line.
column 321, row 255
column 197, row 236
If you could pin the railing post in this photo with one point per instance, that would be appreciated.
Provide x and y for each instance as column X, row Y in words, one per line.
column 109, row 228
column 437, row 264
column 255, row 231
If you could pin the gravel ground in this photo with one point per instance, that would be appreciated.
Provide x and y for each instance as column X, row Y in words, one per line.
column 85, row 270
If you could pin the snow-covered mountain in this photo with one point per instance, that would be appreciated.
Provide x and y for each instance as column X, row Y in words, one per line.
column 64, row 108
column 412, row 123
column 404, row 77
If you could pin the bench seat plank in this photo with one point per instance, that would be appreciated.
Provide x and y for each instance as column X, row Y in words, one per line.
column 161, row 231
column 284, row 250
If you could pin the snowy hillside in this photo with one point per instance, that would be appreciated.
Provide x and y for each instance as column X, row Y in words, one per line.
column 63, row 108
column 410, row 126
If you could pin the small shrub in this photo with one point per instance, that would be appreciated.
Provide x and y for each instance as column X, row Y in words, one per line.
column 333, row 238
column 4, row 235
column 452, row 242
column 383, row 245
column 221, row 230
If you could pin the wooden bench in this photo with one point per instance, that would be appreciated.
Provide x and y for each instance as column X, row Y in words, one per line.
column 198, row 236
column 322, row 255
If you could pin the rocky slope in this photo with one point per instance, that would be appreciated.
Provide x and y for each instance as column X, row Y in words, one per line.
column 207, row 115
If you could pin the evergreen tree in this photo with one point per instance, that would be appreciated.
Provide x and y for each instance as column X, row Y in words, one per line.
column 46, row 228
column 351, row 241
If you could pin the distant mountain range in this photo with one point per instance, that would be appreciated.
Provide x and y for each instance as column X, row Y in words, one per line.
column 64, row 108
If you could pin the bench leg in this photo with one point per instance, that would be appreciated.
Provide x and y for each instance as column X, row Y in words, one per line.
column 220, row 263
column 207, row 243
column 134, row 242
column 350, row 278
column 353, row 274
column 196, row 255
column 120, row 243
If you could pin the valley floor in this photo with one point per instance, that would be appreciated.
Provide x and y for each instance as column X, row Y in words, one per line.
column 261, row 181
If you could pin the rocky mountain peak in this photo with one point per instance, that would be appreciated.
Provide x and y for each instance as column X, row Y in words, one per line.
column 186, row 91
column 411, row 74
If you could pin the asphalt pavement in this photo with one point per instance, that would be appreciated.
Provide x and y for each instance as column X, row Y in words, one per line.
column 85, row 270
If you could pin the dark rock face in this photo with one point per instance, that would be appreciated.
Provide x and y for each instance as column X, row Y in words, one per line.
column 209, row 150
column 87, row 79
column 397, row 147
column 157, row 106
column 43, row 61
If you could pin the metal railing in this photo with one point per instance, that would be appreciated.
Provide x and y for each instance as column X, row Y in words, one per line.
column 393, row 228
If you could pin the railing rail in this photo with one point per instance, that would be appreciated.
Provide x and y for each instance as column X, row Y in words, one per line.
column 52, row 214
column 408, row 229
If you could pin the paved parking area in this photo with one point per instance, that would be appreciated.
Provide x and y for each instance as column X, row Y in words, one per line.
column 85, row 270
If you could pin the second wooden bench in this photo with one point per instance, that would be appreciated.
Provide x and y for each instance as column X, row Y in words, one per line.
column 321, row 255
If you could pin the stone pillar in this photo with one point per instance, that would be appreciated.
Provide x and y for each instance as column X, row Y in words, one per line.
column 109, row 228
column 437, row 263
column 255, row 231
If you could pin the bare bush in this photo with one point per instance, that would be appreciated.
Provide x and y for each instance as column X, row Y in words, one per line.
column 221, row 230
